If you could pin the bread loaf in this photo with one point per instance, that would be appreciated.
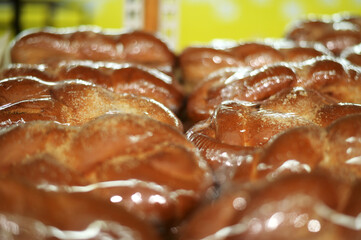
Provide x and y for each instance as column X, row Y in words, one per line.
column 119, row 78
column 54, row 45
column 30, row 213
column 73, row 102
column 335, row 149
column 148, row 167
column 333, row 77
column 196, row 63
column 242, row 126
column 301, row 206
column 336, row 32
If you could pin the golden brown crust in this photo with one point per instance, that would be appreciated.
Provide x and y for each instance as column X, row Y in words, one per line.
column 330, row 76
column 74, row 102
column 236, row 134
column 336, row 32
column 271, row 136
column 304, row 206
column 152, row 167
column 52, row 46
column 333, row 149
column 197, row 63
column 119, row 78
column 30, row 213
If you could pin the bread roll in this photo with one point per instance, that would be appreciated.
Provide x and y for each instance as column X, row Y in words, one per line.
column 311, row 206
column 30, row 213
column 336, row 32
column 333, row 77
column 51, row 46
column 146, row 166
column 120, row 78
column 335, row 149
column 197, row 62
column 73, row 102
column 237, row 129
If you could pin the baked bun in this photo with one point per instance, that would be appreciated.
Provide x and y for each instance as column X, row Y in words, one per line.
column 30, row 213
column 197, row 62
column 73, row 102
column 54, row 45
column 146, row 166
column 333, row 77
column 336, row 32
column 306, row 149
column 237, row 129
column 303, row 206
column 120, row 78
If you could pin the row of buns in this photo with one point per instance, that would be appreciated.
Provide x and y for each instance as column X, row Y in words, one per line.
column 108, row 135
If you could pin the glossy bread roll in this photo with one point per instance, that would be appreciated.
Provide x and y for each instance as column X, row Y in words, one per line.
column 120, row 78
column 146, row 166
column 335, row 150
column 73, row 102
column 51, row 46
column 236, row 128
column 30, row 213
column 196, row 63
column 336, row 32
column 312, row 206
column 333, row 77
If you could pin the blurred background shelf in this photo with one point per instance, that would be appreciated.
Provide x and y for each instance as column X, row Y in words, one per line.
column 180, row 22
